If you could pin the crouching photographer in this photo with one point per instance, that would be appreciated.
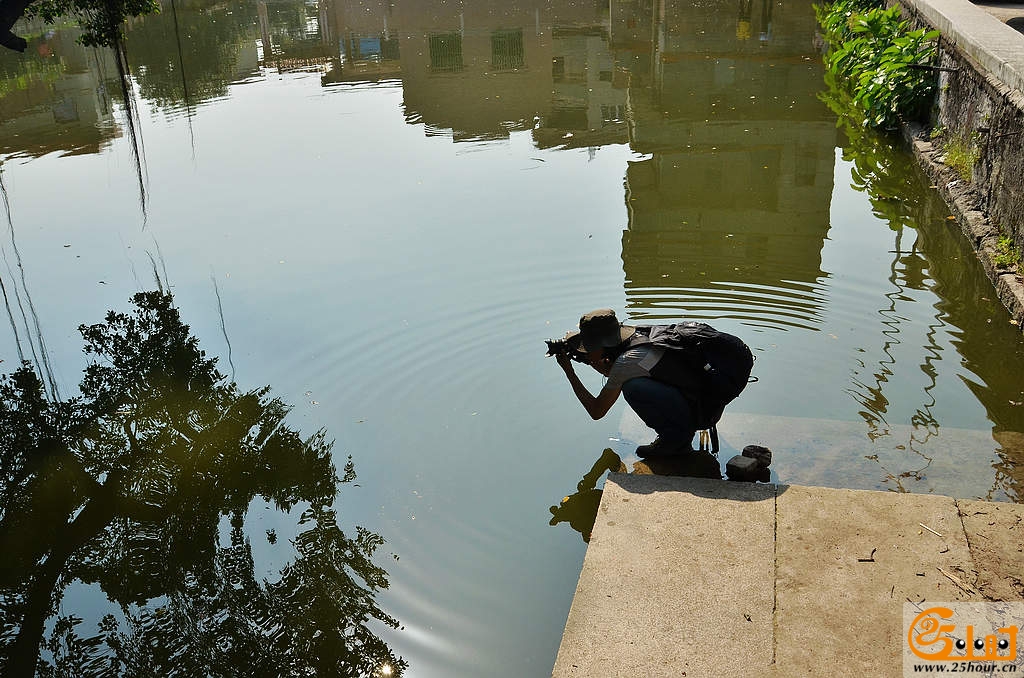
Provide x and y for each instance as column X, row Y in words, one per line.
column 677, row 378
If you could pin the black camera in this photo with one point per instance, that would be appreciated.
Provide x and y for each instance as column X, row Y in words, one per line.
column 568, row 345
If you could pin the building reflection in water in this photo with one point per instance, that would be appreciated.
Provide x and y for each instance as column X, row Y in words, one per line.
column 727, row 208
column 55, row 97
column 482, row 71
column 728, row 215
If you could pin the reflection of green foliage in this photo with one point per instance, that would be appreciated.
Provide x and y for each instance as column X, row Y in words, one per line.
column 880, row 168
column 962, row 154
column 210, row 41
column 29, row 71
column 127, row 487
column 876, row 53
column 102, row 21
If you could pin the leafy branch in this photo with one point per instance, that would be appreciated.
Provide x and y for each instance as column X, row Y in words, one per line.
column 880, row 60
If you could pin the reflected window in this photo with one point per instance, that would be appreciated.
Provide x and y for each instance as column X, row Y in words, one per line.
column 65, row 111
column 568, row 117
column 558, row 69
column 446, row 52
column 507, row 50
column 369, row 48
column 806, row 166
column 571, row 65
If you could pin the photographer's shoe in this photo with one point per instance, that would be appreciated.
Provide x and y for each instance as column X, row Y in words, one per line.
column 662, row 448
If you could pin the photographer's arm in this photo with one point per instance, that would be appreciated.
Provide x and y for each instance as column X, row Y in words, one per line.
column 596, row 407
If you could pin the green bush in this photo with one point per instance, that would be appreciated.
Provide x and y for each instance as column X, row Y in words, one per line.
column 878, row 56
column 1007, row 254
column 962, row 155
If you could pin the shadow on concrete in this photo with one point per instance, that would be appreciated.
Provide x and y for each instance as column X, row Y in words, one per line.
column 580, row 509
column 696, row 464
column 711, row 488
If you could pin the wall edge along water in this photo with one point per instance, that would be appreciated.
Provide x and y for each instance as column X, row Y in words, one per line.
column 980, row 102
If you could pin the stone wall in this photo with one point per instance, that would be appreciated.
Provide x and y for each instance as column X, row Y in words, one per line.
column 980, row 109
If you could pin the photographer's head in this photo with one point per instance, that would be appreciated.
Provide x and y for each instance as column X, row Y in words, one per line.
column 601, row 333
column 601, row 329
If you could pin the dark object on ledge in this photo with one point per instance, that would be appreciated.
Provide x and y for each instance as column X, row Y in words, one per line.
column 762, row 455
column 750, row 466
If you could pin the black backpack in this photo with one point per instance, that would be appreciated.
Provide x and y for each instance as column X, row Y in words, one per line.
column 710, row 367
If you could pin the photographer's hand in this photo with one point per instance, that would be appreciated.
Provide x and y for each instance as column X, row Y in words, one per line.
column 597, row 406
column 564, row 361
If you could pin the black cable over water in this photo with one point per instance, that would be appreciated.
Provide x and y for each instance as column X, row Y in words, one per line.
column 24, row 319
column 14, row 325
column 223, row 326
column 184, row 81
column 163, row 282
column 133, row 122
column 156, row 272
column 3, row 289
column 41, row 359
column 163, row 262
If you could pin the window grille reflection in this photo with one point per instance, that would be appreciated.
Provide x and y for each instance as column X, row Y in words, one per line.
column 507, row 50
column 446, row 52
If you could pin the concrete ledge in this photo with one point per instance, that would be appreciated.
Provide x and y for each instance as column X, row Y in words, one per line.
column 846, row 562
column 698, row 577
column 678, row 580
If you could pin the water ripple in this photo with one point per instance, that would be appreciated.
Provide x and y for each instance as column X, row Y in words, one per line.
column 785, row 306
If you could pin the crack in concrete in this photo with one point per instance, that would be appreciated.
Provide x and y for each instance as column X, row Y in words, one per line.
column 970, row 549
column 775, row 574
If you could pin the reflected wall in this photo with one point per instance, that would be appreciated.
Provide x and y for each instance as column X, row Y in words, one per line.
column 728, row 215
column 486, row 69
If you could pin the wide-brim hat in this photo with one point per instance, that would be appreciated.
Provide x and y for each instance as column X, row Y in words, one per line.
column 601, row 329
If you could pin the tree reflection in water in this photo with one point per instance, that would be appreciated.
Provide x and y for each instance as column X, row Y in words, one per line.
column 127, row 486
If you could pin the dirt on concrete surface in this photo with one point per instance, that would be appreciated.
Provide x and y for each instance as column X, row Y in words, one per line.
column 997, row 560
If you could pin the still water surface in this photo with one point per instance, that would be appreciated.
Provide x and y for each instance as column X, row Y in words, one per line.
column 381, row 210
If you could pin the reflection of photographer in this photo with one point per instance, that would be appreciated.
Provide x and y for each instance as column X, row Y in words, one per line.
column 677, row 378
column 580, row 508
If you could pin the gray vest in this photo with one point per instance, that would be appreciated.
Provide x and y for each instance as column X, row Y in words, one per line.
column 710, row 367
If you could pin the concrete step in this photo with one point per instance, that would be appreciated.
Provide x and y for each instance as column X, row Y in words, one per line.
column 827, row 452
column 698, row 577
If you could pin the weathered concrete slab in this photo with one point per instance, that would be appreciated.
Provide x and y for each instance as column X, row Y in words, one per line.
column 698, row 577
column 678, row 580
column 995, row 534
column 846, row 562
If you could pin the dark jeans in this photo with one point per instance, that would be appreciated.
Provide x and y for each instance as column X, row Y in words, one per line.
column 662, row 407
